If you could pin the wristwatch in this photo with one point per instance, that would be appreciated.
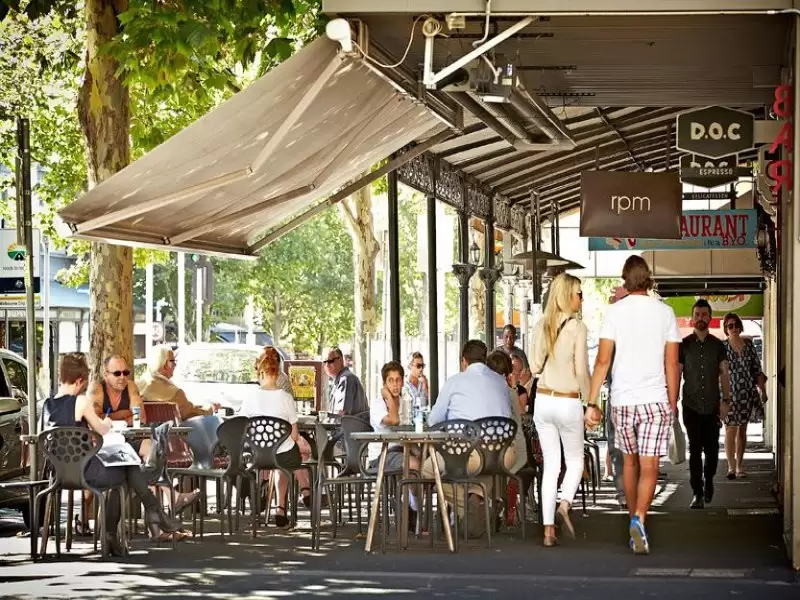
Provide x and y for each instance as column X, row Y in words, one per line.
column 592, row 405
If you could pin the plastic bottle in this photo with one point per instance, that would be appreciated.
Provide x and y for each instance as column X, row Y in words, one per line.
column 405, row 407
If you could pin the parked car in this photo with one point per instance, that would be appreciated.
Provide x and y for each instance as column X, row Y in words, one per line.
column 217, row 372
column 13, row 423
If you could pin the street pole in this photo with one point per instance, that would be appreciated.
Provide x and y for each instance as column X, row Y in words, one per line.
column 148, row 307
column 181, row 298
column 24, row 218
column 198, row 273
column 45, row 290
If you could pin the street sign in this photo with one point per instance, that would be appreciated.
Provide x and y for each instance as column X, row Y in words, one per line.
column 715, row 131
column 714, row 172
column 12, row 264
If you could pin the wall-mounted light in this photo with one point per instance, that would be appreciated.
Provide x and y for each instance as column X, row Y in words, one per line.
column 474, row 253
column 338, row 30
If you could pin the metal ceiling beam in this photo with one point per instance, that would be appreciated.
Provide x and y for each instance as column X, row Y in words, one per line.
column 621, row 137
column 599, row 135
column 469, row 147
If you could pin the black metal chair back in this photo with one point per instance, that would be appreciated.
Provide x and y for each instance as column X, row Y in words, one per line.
column 202, row 440
column 154, row 467
column 264, row 436
column 323, row 444
column 230, row 439
column 496, row 437
column 456, row 452
column 69, row 450
column 354, row 451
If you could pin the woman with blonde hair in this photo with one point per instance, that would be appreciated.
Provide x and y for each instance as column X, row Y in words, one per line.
column 560, row 357
column 269, row 400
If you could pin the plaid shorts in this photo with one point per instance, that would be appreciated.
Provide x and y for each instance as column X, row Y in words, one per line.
column 642, row 428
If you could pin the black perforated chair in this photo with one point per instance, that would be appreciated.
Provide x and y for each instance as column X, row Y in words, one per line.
column 264, row 436
column 353, row 474
column 455, row 454
column 68, row 451
column 496, row 437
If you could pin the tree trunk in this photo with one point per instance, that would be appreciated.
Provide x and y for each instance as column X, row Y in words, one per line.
column 276, row 322
column 357, row 212
column 104, row 113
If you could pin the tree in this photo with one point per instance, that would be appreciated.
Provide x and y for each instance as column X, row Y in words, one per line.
column 357, row 213
column 173, row 54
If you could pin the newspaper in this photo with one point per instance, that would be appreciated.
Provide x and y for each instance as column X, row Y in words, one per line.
column 116, row 452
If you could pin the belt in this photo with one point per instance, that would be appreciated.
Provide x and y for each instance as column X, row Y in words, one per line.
column 543, row 390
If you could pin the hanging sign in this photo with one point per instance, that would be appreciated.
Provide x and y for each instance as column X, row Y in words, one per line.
column 779, row 170
column 715, row 131
column 710, row 172
column 747, row 306
column 700, row 229
column 626, row 204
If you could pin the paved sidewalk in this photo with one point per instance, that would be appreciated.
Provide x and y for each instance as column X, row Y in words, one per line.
column 733, row 547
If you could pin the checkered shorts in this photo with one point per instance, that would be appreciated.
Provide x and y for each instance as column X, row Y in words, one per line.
column 642, row 428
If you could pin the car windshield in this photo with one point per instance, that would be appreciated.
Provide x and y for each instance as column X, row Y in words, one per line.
column 217, row 365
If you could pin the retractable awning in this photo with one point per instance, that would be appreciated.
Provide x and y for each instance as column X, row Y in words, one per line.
column 288, row 140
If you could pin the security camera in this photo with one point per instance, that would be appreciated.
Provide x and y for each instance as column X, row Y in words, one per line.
column 338, row 30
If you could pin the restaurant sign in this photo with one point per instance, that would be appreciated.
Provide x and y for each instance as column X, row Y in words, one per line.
column 700, row 229
column 747, row 306
column 625, row 204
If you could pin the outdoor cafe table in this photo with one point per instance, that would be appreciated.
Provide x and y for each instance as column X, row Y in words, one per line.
column 408, row 439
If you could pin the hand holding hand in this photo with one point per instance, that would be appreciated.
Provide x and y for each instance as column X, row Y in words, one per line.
column 593, row 417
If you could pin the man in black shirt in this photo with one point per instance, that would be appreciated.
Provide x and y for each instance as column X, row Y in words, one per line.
column 705, row 370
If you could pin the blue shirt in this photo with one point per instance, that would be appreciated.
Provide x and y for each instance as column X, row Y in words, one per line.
column 476, row 393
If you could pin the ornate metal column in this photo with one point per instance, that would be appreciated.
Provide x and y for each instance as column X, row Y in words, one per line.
column 490, row 274
column 394, row 266
column 463, row 270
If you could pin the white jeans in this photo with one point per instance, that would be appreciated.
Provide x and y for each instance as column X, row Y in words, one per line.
column 559, row 420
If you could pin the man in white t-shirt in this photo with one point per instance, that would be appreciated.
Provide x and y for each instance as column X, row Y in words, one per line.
column 641, row 333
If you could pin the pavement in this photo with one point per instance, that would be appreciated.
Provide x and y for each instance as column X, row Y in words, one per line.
column 733, row 548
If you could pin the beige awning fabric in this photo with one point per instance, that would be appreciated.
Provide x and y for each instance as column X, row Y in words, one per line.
column 288, row 140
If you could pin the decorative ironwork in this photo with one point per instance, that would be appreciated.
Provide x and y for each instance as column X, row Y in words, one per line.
column 463, row 273
column 450, row 186
column 478, row 201
column 767, row 246
column 519, row 221
column 490, row 276
column 418, row 174
column 502, row 213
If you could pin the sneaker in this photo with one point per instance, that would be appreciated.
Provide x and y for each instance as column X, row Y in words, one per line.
column 638, row 537
column 708, row 495
column 697, row 502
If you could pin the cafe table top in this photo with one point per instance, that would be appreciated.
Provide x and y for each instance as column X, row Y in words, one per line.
column 406, row 435
column 128, row 432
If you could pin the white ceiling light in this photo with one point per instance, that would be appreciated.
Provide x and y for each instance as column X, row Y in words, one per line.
column 338, row 30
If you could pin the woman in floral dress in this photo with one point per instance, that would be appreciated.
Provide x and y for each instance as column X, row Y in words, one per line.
column 746, row 381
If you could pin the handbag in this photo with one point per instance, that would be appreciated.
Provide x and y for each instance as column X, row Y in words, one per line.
column 677, row 443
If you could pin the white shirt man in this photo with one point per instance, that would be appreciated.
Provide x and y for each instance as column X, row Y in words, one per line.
column 641, row 333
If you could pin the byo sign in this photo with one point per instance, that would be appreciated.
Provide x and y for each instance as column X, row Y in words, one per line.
column 715, row 131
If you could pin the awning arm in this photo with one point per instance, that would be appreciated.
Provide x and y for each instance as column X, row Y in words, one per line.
column 237, row 216
column 352, row 188
column 308, row 97
column 144, row 207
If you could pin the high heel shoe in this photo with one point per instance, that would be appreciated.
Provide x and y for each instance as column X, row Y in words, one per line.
column 157, row 520
column 563, row 515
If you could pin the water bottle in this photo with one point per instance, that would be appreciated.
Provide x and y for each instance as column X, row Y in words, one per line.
column 419, row 420
column 137, row 416
column 405, row 407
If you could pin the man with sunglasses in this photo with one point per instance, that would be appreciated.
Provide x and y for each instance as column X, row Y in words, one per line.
column 116, row 395
column 345, row 393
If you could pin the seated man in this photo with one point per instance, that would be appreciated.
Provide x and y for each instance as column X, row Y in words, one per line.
column 159, row 387
column 116, row 395
column 384, row 412
column 475, row 393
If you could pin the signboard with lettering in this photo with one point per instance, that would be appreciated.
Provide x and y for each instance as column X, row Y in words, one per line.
column 779, row 170
column 700, row 229
column 12, row 263
column 715, row 131
column 626, row 204
column 713, row 172
column 745, row 305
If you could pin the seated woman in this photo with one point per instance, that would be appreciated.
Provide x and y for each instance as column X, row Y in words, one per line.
column 269, row 400
column 72, row 409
